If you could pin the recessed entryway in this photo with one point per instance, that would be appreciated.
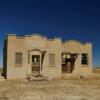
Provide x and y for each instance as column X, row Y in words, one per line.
column 36, row 65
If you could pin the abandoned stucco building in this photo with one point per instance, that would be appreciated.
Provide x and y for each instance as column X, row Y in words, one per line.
column 39, row 56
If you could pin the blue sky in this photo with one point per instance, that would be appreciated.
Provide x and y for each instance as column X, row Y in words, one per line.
column 68, row 19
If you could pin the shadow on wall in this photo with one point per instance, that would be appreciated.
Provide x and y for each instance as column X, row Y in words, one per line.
column 4, row 73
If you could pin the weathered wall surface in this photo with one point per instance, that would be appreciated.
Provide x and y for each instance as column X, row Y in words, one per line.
column 28, row 44
column 73, row 46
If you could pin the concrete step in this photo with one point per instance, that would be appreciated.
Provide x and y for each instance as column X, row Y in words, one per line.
column 36, row 78
column 71, row 76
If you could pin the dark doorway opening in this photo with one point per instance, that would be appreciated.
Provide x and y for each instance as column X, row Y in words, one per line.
column 68, row 62
column 36, row 65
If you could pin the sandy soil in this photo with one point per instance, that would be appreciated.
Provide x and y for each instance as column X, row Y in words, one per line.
column 70, row 89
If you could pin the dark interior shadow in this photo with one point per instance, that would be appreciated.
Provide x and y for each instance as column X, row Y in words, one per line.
column 4, row 73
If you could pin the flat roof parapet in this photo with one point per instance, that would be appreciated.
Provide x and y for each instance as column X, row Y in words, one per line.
column 57, row 37
column 72, row 41
column 50, row 39
column 11, row 34
column 27, row 35
column 36, row 35
column 44, row 36
column 20, row 37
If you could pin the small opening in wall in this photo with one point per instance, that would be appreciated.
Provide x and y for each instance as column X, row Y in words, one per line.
column 84, row 59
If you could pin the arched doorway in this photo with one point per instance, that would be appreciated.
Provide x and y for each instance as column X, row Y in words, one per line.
column 35, row 58
column 36, row 65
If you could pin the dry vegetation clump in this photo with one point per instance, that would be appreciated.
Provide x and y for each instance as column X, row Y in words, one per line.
column 76, row 89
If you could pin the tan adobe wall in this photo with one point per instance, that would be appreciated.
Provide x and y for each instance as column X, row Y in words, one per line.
column 17, row 44
column 29, row 43
column 73, row 46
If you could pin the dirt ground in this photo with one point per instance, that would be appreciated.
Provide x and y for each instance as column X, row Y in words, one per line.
column 70, row 89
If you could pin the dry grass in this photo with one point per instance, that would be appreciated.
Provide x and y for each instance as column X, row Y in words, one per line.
column 70, row 89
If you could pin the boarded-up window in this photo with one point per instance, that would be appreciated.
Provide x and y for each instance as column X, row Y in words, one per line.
column 51, row 59
column 18, row 59
column 84, row 59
